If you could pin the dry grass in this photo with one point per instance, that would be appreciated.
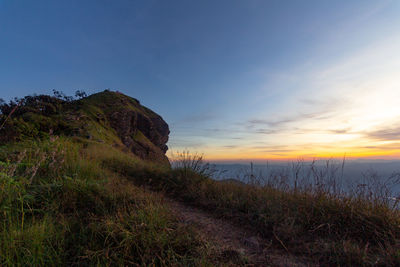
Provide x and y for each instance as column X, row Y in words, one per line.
column 61, row 205
column 311, row 215
column 66, row 203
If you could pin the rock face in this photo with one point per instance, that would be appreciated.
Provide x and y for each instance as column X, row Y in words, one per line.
column 134, row 127
column 127, row 123
column 141, row 130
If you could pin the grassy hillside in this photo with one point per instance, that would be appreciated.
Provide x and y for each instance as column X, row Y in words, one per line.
column 312, row 222
column 72, row 193
column 62, row 203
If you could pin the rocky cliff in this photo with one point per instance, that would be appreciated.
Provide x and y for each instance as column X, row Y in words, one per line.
column 107, row 117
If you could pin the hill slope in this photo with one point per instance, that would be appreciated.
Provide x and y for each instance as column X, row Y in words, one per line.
column 83, row 182
column 107, row 117
column 70, row 187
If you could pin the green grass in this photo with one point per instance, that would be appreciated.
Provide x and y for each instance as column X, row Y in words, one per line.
column 60, row 204
column 325, row 227
column 69, row 201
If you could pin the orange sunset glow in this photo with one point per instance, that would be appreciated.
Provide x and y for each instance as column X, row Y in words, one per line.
column 349, row 107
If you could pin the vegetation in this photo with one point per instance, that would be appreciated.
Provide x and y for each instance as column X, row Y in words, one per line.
column 61, row 204
column 73, row 200
column 311, row 220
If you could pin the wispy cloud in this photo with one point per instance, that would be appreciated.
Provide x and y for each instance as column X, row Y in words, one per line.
column 266, row 131
column 340, row 131
column 348, row 105
column 385, row 134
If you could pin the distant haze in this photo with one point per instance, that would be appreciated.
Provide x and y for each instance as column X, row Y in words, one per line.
column 354, row 173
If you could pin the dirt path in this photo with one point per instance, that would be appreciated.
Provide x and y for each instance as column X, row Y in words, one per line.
column 234, row 239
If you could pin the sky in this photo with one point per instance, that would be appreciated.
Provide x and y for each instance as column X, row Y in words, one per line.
column 235, row 80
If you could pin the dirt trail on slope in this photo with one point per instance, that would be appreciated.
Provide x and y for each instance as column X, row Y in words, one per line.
column 233, row 239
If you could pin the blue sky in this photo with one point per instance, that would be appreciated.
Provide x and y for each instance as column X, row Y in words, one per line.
column 234, row 79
